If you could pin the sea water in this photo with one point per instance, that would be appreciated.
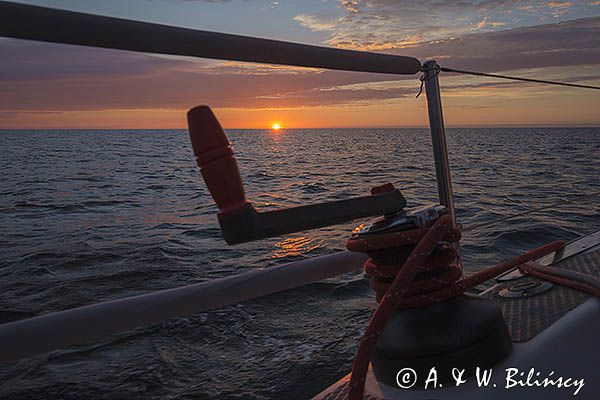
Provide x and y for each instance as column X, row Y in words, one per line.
column 88, row 216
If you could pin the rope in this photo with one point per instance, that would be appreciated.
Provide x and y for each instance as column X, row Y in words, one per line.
column 427, row 275
column 576, row 280
column 531, row 211
column 515, row 78
column 390, row 251
column 426, row 77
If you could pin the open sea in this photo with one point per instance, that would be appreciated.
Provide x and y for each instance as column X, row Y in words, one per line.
column 88, row 216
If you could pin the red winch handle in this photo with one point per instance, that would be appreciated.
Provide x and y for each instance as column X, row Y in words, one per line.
column 239, row 221
column 215, row 158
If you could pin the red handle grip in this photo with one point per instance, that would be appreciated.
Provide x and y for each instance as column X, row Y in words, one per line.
column 215, row 157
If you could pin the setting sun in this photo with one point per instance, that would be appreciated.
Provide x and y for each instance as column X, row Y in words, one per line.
column 276, row 126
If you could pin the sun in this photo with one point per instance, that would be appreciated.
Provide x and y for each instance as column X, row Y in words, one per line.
column 276, row 126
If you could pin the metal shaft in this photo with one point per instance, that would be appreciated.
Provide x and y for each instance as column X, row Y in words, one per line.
column 60, row 26
column 438, row 136
column 51, row 331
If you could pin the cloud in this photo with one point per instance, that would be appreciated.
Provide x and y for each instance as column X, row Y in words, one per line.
column 559, row 4
column 483, row 22
column 49, row 77
column 317, row 23
column 350, row 5
column 23, row 60
column 57, row 77
column 566, row 43
column 387, row 24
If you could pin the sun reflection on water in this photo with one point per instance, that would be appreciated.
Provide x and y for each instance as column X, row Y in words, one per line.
column 295, row 246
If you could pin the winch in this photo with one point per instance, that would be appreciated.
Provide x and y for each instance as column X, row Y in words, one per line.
column 402, row 220
column 433, row 325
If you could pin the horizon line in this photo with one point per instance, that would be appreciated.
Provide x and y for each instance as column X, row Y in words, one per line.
column 324, row 127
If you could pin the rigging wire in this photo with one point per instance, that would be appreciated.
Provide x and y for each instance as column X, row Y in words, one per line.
column 531, row 211
column 515, row 78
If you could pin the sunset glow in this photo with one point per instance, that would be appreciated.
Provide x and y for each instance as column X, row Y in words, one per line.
column 60, row 86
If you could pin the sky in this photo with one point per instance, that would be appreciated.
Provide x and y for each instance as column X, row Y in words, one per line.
column 61, row 86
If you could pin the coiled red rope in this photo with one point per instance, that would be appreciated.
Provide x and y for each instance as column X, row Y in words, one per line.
column 428, row 272
column 576, row 280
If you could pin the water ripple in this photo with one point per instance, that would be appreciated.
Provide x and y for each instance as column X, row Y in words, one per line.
column 76, row 228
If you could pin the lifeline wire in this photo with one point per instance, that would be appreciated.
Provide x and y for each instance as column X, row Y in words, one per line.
column 515, row 78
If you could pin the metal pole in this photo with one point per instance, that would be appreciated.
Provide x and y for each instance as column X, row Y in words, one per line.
column 51, row 331
column 438, row 136
column 438, row 139
column 61, row 26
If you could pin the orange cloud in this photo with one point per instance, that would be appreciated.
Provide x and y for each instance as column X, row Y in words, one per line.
column 559, row 4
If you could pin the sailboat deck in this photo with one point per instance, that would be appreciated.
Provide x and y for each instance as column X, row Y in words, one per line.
column 525, row 316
